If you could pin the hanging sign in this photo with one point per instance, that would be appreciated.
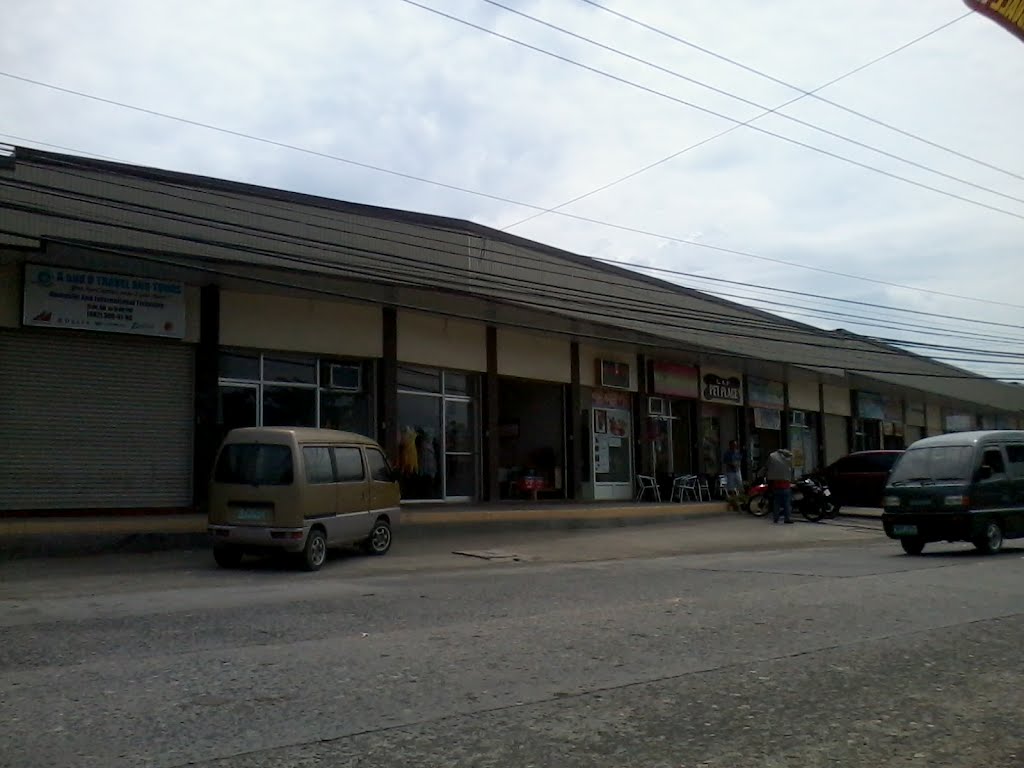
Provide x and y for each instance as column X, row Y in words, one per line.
column 72, row 298
column 613, row 374
column 1009, row 14
column 721, row 387
column 676, row 380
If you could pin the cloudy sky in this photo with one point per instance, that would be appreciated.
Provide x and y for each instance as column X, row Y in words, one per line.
column 386, row 83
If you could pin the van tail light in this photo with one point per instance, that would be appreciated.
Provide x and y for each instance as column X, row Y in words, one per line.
column 286, row 534
column 958, row 501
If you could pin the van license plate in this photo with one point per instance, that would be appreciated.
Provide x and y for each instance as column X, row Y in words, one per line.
column 251, row 514
column 905, row 530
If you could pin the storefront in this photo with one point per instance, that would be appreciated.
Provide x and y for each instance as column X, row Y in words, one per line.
column 836, row 407
column 867, row 424
column 766, row 400
column 531, row 439
column 438, row 434
column 916, row 422
column 721, row 404
column 99, row 384
column 670, row 421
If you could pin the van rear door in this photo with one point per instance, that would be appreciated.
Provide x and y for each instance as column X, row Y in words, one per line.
column 353, row 493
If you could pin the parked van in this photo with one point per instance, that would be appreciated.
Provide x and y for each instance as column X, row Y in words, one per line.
column 300, row 490
column 967, row 486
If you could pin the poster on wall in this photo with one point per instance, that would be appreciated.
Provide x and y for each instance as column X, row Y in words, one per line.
column 766, row 394
column 675, row 380
column 602, row 457
column 600, row 421
column 72, row 298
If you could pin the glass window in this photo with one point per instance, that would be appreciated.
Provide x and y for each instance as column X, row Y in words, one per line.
column 457, row 383
column 994, row 458
column 291, row 370
column 1015, row 454
column 251, row 464
column 350, row 465
column 460, row 435
column 289, row 407
column 318, row 464
column 413, row 379
column 461, row 476
column 380, row 470
column 239, row 365
column 345, row 411
column 945, row 464
column 611, row 450
column 420, row 453
column 237, row 406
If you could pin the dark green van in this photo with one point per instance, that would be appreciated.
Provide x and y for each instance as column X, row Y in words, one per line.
column 967, row 486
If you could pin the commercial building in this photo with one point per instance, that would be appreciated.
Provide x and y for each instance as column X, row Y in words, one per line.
column 144, row 312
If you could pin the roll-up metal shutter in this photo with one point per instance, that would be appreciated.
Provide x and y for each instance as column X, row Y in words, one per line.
column 92, row 421
column 837, row 442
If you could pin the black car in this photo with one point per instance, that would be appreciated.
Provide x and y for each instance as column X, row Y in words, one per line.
column 858, row 480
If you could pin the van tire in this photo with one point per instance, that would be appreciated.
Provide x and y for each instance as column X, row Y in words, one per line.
column 227, row 557
column 314, row 554
column 992, row 541
column 379, row 541
column 912, row 546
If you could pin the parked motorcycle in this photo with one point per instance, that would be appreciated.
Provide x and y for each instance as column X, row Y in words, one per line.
column 813, row 499
column 759, row 498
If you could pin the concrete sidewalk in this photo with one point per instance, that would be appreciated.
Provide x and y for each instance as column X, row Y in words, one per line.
column 48, row 536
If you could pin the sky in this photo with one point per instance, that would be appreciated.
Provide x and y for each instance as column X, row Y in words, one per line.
column 389, row 84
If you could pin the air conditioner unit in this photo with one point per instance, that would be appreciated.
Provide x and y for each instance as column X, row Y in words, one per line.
column 798, row 418
column 656, row 406
column 346, row 378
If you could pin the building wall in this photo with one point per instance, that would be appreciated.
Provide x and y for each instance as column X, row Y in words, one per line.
column 529, row 356
column 837, row 441
column 803, row 395
column 837, row 400
column 10, row 296
column 934, row 419
column 589, row 355
column 300, row 325
column 441, row 342
column 917, row 413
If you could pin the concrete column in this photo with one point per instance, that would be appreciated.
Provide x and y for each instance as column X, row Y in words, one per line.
column 207, row 435
column 489, row 486
column 578, row 452
column 387, row 386
column 643, row 453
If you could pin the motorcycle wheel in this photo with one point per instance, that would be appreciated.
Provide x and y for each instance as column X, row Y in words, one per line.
column 813, row 512
column 759, row 505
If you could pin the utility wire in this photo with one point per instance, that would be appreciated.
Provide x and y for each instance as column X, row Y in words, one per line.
column 813, row 94
column 592, row 304
column 750, row 102
column 158, row 257
column 389, row 236
column 730, row 129
column 443, row 185
column 706, row 110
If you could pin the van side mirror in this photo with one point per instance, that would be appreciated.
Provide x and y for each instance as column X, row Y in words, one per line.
column 984, row 472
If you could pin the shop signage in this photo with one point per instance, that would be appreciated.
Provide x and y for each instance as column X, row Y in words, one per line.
column 766, row 394
column 605, row 398
column 611, row 373
column 870, row 406
column 718, row 387
column 893, row 410
column 71, row 298
column 1008, row 14
column 676, row 380
column 916, row 414
column 959, row 422
column 767, row 418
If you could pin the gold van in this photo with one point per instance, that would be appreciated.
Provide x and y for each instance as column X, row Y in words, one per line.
column 300, row 490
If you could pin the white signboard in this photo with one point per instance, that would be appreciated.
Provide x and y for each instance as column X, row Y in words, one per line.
column 71, row 298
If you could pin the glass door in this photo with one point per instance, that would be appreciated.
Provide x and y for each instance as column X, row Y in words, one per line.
column 460, row 449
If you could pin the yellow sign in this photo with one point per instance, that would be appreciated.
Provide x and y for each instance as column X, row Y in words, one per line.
column 1007, row 13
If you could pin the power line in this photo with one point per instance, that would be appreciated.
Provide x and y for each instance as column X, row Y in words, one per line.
column 750, row 102
column 813, row 94
column 706, row 110
column 389, row 236
column 464, row 190
column 514, row 286
column 158, row 257
column 730, row 129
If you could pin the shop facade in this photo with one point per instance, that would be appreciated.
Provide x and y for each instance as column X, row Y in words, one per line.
column 670, row 423
column 766, row 402
column 804, row 419
column 721, row 416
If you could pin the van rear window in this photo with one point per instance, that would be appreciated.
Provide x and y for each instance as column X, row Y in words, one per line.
column 255, row 464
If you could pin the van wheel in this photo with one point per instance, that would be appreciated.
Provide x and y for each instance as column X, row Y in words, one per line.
column 912, row 546
column 992, row 541
column 379, row 540
column 314, row 555
column 227, row 557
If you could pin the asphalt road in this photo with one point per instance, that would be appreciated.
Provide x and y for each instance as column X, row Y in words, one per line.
column 840, row 652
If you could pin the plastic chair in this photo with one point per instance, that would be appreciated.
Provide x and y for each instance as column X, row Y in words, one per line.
column 647, row 483
column 684, row 486
column 703, row 489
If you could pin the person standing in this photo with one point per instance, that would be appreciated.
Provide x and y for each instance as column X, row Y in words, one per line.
column 733, row 463
column 779, row 474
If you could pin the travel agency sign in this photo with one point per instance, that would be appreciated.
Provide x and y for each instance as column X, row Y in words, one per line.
column 79, row 300
column 1008, row 14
